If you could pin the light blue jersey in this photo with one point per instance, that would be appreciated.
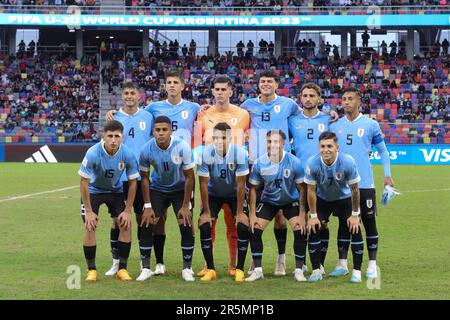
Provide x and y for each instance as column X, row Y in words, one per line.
column 280, row 179
column 222, row 171
column 137, row 130
column 305, row 132
column 356, row 138
column 105, row 171
column 168, row 165
column 332, row 180
column 182, row 116
column 265, row 117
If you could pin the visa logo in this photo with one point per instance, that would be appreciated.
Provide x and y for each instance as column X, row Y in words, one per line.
column 436, row 155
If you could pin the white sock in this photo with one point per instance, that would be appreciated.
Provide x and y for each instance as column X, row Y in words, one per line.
column 298, row 270
column 357, row 273
column 258, row 269
column 282, row 258
column 116, row 261
column 372, row 264
column 343, row 263
column 316, row 271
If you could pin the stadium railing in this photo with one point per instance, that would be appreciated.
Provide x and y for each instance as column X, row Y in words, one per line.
column 218, row 11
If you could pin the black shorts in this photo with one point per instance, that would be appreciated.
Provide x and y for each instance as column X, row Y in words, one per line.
column 268, row 211
column 114, row 202
column 138, row 203
column 163, row 200
column 216, row 204
column 368, row 203
column 339, row 208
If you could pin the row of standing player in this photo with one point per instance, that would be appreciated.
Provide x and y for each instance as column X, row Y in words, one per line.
column 267, row 112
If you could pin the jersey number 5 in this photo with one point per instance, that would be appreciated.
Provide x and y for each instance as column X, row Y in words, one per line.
column 349, row 139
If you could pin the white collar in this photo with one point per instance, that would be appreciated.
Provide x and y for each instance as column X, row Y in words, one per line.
column 170, row 144
column 106, row 152
column 311, row 117
column 128, row 115
column 357, row 118
column 175, row 105
column 276, row 97
column 337, row 156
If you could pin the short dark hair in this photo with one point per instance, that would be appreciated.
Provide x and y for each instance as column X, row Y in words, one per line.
column 174, row 74
column 130, row 85
column 113, row 125
column 313, row 86
column 328, row 135
column 351, row 90
column 269, row 74
column 222, row 126
column 276, row 131
column 223, row 79
column 163, row 119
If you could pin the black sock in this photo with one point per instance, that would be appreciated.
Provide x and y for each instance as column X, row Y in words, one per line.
column 324, row 240
column 187, row 245
column 124, row 253
column 357, row 250
column 299, row 248
column 158, row 246
column 281, row 235
column 243, row 236
column 343, row 238
column 114, row 243
column 314, row 246
column 139, row 233
column 257, row 247
column 371, row 237
column 89, row 255
column 206, row 242
column 145, row 245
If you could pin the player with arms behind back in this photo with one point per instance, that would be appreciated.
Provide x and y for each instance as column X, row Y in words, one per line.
column 358, row 134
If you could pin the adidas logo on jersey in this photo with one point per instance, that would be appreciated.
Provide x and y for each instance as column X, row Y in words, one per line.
column 43, row 155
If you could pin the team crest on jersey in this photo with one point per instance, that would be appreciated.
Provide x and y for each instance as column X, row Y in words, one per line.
column 231, row 166
column 369, row 203
column 339, row 176
column 234, row 121
column 121, row 166
column 142, row 125
column 277, row 108
column 184, row 114
column 176, row 159
column 360, row 132
column 287, row 173
column 321, row 127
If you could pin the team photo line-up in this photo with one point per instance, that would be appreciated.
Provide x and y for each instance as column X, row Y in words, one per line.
column 268, row 159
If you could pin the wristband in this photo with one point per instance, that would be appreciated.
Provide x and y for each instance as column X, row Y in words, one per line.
column 355, row 214
column 312, row 215
column 147, row 205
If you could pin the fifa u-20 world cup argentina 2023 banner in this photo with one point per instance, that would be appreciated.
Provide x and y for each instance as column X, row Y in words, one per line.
column 223, row 21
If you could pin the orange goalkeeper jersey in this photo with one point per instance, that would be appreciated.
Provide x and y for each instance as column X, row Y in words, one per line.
column 237, row 118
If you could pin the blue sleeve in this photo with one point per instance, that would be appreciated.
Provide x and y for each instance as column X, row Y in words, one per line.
column 351, row 174
column 144, row 161
column 87, row 166
column 384, row 156
column 244, row 105
column 242, row 164
column 294, row 108
column 377, row 136
column 310, row 173
column 187, row 157
column 299, row 173
column 255, row 176
column 202, row 166
column 132, row 166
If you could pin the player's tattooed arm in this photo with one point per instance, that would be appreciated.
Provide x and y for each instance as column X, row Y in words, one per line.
column 355, row 196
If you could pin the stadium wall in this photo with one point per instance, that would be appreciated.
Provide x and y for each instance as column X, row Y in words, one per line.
column 415, row 154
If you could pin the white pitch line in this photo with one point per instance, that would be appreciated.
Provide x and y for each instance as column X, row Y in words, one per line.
column 37, row 194
column 429, row 190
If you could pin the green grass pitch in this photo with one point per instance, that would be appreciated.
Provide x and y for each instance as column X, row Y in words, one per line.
column 41, row 237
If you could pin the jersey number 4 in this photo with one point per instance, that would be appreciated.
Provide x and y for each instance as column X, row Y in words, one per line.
column 131, row 132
